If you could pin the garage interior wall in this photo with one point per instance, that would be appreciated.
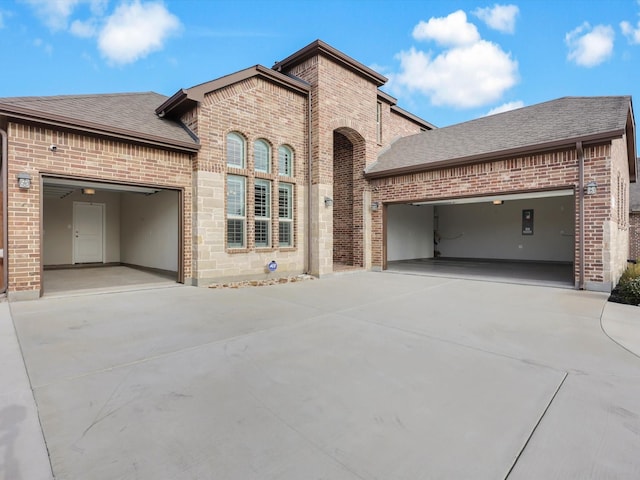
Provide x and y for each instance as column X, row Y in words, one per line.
column 409, row 232
column 484, row 230
column 149, row 230
column 58, row 226
column 139, row 229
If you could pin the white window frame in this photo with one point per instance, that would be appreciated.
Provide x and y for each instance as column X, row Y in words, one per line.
column 379, row 122
column 285, row 168
column 235, row 215
column 287, row 218
column 257, row 145
column 262, row 215
column 236, row 150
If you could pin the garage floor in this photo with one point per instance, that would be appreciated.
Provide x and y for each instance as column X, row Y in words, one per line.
column 352, row 377
column 83, row 280
column 528, row 273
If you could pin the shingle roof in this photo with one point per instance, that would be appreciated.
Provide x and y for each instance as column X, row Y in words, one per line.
column 545, row 125
column 125, row 115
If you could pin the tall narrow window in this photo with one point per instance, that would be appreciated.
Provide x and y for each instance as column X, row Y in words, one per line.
column 262, row 210
column 235, row 151
column 285, row 214
column 261, row 156
column 236, row 211
column 379, row 122
column 285, row 162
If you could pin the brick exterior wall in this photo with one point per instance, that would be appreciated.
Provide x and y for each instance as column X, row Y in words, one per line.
column 256, row 109
column 634, row 235
column 343, row 226
column 343, row 102
column 547, row 171
column 85, row 157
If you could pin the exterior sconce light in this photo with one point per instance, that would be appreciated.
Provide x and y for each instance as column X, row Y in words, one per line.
column 591, row 188
column 328, row 202
column 88, row 191
column 24, row 180
column 375, row 206
column 498, row 202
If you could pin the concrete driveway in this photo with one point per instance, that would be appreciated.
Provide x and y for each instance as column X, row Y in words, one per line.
column 358, row 376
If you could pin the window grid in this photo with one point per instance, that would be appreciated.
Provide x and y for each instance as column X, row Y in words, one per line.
column 235, row 151
column 261, row 156
column 236, row 211
column 285, row 162
column 285, row 214
column 262, row 213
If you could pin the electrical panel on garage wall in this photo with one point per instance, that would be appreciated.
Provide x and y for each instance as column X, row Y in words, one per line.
column 527, row 222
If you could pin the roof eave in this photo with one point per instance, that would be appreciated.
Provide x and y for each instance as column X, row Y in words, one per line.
column 96, row 129
column 410, row 116
column 319, row 47
column 500, row 155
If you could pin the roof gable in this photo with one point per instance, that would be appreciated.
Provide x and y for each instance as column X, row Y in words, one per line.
column 128, row 115
column 552, row 124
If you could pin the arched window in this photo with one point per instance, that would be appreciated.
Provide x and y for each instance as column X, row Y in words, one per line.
column 262, row 156
column 285, row 161
column 235, row 150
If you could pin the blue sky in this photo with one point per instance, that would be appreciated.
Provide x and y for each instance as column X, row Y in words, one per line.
column 447, row 61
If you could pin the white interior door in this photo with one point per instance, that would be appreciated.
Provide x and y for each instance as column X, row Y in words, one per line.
column 88, row 232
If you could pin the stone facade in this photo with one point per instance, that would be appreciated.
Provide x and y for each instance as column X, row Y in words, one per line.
column 327, row 109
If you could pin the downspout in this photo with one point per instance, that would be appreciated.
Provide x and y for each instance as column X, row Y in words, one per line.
column 581, row 214
column 3, row 170
column 309, row 184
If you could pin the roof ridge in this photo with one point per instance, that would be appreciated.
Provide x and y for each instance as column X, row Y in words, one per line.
column 40, row 98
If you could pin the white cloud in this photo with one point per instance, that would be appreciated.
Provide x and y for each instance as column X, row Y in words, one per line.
column 54, row 13
column 505, row 107
column 588, row 46
column 499, row 17
column 467, row 72
column 46, row 47
column 451, row 30
column 86, row 29
column 464, row 77
column 136, row 29
column 632, row 34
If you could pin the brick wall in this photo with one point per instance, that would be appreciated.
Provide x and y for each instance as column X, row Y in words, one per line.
column 78, row 156
column 634, row 235
column 529, row 173
column 342, row 200
column 256, row 109
column 343, row 102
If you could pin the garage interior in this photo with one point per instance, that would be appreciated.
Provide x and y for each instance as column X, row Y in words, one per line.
column 518, row 238
column 102, row 235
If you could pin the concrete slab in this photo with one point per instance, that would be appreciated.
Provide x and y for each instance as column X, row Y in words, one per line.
column 359, row 376
column 622, row 324
column 23, row 454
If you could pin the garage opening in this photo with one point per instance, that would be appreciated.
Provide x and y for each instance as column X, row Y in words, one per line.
column 522, row 238
column 102, row 235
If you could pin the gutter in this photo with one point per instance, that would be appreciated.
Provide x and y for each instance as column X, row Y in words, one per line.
column 309, row 182
column 581, row 214
column 5, row 237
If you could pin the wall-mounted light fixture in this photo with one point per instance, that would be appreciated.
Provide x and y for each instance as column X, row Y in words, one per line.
column 24, row 180
column 375, row 206
column 88, row 191
column 591, row 188
column 498, row 202
column 328, row 202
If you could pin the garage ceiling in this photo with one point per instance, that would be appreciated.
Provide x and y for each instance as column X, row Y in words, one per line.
column 491, row 198
column 62, row 187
